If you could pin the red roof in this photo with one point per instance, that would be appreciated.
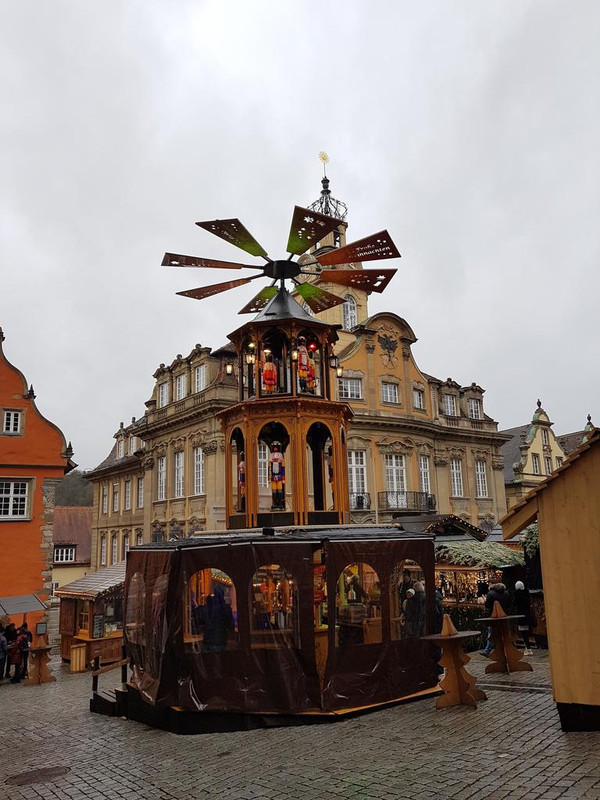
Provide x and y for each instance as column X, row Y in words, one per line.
column 73, row 525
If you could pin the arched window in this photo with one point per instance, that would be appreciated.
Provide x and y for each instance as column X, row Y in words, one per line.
column 274, row 608
column 350, row 317
column 358, row 604
column 103, row 550
column 407, row 601
column 212, row 618
column 114, row 548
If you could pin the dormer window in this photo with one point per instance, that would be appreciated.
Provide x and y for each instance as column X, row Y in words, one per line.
column 545, row 437
column 180, row 387
column 450, row 405
column 120, row 448
column 200, row 378
column 163, row 395
column 475, row 408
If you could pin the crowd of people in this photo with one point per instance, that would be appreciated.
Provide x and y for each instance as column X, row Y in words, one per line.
column 15, row 644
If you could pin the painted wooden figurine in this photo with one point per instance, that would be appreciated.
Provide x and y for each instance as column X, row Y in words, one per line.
column 277, row 478
column 269, row 374
column 242, row 483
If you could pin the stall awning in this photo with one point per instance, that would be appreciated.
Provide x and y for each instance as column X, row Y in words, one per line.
column 20, row 604
column 105, row 581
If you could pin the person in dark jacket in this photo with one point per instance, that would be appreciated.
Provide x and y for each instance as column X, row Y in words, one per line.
column 3, row 651
column 496, row 594
column 414, row 613
column 10, row 634
column 523, row 606
column 218, row 622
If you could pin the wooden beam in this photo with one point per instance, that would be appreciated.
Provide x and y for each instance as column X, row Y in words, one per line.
column 514, row 522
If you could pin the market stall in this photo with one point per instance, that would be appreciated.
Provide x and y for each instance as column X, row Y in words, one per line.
column 302, row 621
column 91, row 616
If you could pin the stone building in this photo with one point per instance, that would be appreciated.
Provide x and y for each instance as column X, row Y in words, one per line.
column 416, row 443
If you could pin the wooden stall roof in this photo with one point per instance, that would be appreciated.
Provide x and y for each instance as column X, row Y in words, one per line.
column 477, row 555
column 525, row 512
column 309, row 533
column 99, row 583
column 446, row 526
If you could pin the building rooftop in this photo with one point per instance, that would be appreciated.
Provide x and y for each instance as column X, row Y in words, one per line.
column 73, row 526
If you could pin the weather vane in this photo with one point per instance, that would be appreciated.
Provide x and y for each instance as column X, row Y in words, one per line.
column 325, row 159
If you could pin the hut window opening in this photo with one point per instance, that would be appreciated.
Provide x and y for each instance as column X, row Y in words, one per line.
column 358, row 606
column 407, row 601
column 274, row 603
column 113, row 615
column 212, row 613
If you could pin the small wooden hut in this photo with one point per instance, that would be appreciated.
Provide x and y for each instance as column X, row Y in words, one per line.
column 567, row 508
column 91, row 616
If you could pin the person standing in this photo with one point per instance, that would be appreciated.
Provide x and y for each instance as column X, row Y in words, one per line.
column 16, row 655
column 11, row 637
column 496, row 594
column 25, row 648
column 523, row 605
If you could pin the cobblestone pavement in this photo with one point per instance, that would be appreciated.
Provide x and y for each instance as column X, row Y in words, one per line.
column 510, row 747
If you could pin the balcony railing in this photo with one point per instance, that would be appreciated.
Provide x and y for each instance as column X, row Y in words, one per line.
column 360, row 501
column 406, row 501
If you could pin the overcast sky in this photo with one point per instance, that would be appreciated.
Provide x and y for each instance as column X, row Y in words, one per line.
column 470, row 130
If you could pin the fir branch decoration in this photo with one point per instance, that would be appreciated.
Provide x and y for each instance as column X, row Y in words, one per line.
column 530, row 540
column 479, row 555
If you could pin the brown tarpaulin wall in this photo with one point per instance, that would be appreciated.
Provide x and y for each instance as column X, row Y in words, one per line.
column 169, row 671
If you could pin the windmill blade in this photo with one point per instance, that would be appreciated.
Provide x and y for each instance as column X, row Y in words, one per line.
column 260, row 300
column 177, row 260
column 234, row 232
column 216, row 288
column 307, row 228
column 369, row 280
column 378, row 245
column 317, row 299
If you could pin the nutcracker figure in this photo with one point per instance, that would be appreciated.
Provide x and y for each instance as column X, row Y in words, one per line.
column 277, row 465
column 269, row 374
column 303, row 359
column 241, row 483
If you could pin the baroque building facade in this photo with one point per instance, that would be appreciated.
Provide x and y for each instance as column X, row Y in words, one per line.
column 416, row 444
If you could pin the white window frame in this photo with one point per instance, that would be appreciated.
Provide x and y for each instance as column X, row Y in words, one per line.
column 180, row 386
column 104, row 499
column 178, row 463
column 132, row 445
column 139, row 539
column 14, row 499
column 114, row 549
column 481, row 481
column 64, row 554
column 389, row 393
column 12, row 423
column 140, row 492
column 395, row 472
column 349, row 313
column 357, row 471
column 103, row 550
column 163, row 394
column 545, row 436
column 456, row 478
column 161, row 478
column 535, row 464
column 548, row 465
column 115, row 498
column 424, row 474
column 127, row 495
column 200, row 378
column 125, row 545
column 263, row 465
column 350, row 389
column 419, row 399
column 451, row 405
column 120, row 448
column 199, row 470
column 559, row 462
column 475, row 408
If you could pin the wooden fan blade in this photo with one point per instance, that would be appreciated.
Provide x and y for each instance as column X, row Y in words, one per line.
column 317, row 299
column 216, row 288
column 308, row 227
column 177, row 260
column 259, row 301
column 369, row 280
column 234, row 232
column 378, row 245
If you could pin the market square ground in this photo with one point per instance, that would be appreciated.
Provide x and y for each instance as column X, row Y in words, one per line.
column 510, row 747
